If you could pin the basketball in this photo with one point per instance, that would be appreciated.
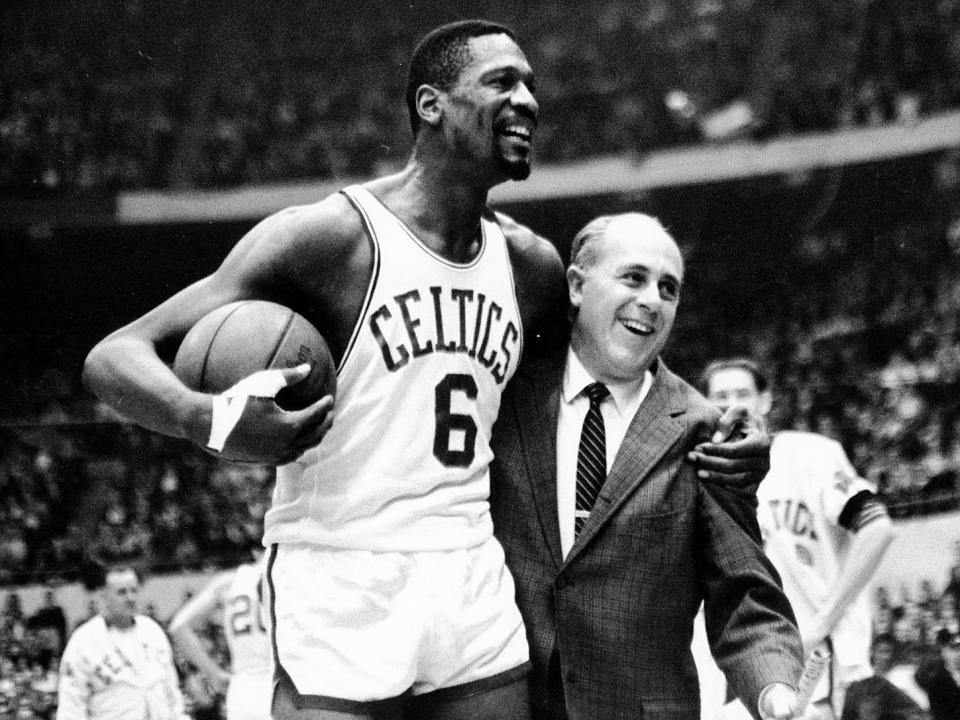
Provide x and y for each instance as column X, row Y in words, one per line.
column 241, row 338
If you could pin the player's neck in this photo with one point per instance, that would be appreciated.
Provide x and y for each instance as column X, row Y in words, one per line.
column 444, row 215
column 120, row 622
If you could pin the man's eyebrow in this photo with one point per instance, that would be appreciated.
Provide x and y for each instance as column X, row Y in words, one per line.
column 508, row 68
column 640, row 267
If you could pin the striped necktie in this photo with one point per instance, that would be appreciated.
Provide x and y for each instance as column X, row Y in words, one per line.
column 592, row 456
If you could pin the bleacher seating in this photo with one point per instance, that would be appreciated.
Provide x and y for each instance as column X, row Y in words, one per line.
column 124, row 94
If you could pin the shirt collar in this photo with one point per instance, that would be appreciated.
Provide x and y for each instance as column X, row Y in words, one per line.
column 625, row 395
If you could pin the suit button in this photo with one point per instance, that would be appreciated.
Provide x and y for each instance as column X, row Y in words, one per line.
column 563, row 581
column 570, row 677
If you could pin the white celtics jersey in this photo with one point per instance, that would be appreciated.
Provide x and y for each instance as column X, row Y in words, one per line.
column 800, row 502
column 405, row 465
column 244, row 622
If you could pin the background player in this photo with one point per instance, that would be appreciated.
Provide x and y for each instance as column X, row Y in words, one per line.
column 426, row 299
column 118, row 665
column 824, row 529
column 238, row 594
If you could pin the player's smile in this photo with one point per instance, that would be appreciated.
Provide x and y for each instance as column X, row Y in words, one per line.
column 517, row 130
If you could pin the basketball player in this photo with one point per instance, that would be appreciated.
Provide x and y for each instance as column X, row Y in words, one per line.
column 118, row 664
column 824, row 529
column 389, row 594
column 239, row 592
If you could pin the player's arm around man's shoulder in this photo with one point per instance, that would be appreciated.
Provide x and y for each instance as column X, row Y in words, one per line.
column 295, row 257
column 540, row 285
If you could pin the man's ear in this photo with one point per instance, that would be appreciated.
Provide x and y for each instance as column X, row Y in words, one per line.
column 429, row 107
column 575, row 278
column 765, row 402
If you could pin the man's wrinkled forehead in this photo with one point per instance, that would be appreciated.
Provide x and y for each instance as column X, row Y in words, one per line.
column 648, row 241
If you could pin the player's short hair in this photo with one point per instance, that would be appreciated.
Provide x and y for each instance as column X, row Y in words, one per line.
column 94, row 571
column 441, row 55
column 735, row 363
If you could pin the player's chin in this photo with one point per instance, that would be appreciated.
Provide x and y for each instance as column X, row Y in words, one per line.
column 516, row 168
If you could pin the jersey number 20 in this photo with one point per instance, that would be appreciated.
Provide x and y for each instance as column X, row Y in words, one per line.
column 244, row 611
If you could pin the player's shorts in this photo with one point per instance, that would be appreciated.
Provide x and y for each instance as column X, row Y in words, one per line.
column 367, row 626
column 249, row 697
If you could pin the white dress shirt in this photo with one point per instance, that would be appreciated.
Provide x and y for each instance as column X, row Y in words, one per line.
column 617, row 410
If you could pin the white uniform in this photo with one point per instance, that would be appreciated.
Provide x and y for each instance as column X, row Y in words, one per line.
column 245, row 629
column 107, row 673
column 376, row 527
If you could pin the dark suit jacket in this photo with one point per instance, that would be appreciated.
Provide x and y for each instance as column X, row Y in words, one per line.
column 942, row 690
column 610, row 626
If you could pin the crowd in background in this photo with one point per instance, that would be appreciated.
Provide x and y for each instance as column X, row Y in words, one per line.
column 146, row 497
column 186, row 97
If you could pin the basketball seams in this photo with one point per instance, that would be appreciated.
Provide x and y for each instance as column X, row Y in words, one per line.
column 223, row 348
column 213, row 339
column 282, row 339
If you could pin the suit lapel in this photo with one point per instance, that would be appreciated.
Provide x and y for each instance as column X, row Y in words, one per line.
column 652, row 432
column 537, row 406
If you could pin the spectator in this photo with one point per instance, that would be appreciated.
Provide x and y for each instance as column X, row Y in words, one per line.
column 875, row 697
column 940, row 677
column 51, row 622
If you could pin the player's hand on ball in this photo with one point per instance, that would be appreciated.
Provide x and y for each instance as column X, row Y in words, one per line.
column 738, row 455
column 778, row 702
column 248, row 426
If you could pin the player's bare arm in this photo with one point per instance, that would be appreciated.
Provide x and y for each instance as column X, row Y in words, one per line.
column 540, row 284
column 314, row 259
column 185, row 638
column 873, row 532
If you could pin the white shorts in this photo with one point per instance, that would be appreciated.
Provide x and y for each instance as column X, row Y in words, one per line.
column 249, row 697
column 366, row 626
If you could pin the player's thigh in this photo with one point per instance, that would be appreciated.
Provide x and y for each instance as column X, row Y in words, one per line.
column 505, row 702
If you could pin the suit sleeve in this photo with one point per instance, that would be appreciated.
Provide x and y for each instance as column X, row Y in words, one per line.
column 750, row 625
column 73, row 691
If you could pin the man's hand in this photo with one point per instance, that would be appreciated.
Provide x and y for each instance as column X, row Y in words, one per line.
column 248, row 426
column 778, row 702
column 738, row 455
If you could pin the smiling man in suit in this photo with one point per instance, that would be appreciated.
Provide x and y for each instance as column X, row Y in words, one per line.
column 612, row 539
